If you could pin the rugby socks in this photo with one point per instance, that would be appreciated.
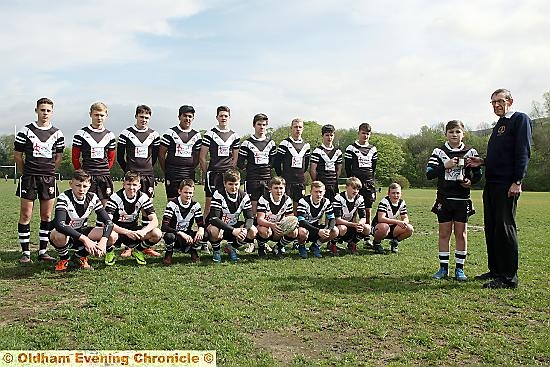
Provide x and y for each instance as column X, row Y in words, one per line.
column 44, row 234
column 63, row 252
column 216, row 245
column 285, row 241
column 460, row 258
column 169, row 240
column 24, row 231
column 82, row 252
column 444, row 259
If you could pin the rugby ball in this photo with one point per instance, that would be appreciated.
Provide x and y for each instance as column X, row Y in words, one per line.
column 288, row 224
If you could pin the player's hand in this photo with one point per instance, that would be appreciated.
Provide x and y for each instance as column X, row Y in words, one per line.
column 187, row 238
column 451, row 163
column 141, row 233
column 133, row 235
column 89, row 245
column 359, row 227
column 466, row 183
column 323, row 233
column 402, row 224
column 277, row 230
column 474, row 162
column 514, row 190
column 200, row 235
column 101, row 246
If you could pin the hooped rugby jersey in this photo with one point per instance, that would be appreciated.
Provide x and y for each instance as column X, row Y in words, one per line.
column 183, row 148
column 275, row 211
column 448, row 179
column 137, row 150
column 313, row 213
column 327, row 160
column 256, row 157
column 292, row 160
column 360, row 161
column 179, row 217
column 40, row 146
column 391, row 211
column 95, row 145
column 78, row 211
column 221, row 145
column 347, row 209
column 228, row 208
column 125, row 212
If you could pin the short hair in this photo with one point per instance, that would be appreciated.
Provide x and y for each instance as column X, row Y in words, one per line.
column 132, row 176
column 186, row 109
column 259, row 117
column 507, row 93
column 98, row 106
column 454, row 124
column 231, row 175
column 317, row 184
column 143, row 109
column 328, row 128
column 187, row 182
column 394, row 185
column 354, row 182
column 44, row 100
column 277, row 180
column 81, row 175
column 365, row 126
column 223, row 108
column 297, row 119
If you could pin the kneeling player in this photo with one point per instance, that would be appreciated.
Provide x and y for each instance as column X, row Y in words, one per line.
column 311, row 209
column 349, row 206
column 124, row 208
column 271, row 209
column 72, row 210
column 177, row 223
column 391, row 220
column 226, row 208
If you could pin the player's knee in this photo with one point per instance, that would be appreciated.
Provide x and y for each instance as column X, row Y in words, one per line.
column 154, row 235
column 169, row 237
column 334, row 233
column 252, row 232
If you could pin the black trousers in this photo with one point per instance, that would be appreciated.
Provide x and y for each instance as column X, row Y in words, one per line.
column 500, row 231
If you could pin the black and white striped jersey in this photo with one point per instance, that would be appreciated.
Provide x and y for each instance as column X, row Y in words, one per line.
column 390, row 210
column 229, row 208
column 137, row 150
column 125, row 212
column 183, row 148
column 40, row 145
column 292, row 160
column 275, row 211
column 327, row 160
column 179, row 217
column 347, row 208
column 256, row 158
column 78, row 211
column 312, row 213
column 94, row 145
column 220, row 146
column 360, row 161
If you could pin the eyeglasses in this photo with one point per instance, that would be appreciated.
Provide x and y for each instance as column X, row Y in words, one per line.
column 499, row 101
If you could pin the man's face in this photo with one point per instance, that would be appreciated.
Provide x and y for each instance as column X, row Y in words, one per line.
column 297, row 129
column 394, row 194
column 80, row 188
column 501, row 105
column 351, row 191
column 186, row 119
column 142, row 120
column 98, row 118
column 328, row 139
column 232, row 187
column 186, row 194
column 363, row 137
column 223, row 118
column 277, row 191
column 44, row 112
column 131, row 188
column 317, row 194
column 260, row 127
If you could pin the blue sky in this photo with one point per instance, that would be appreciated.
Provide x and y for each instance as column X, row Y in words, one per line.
column 395, row 64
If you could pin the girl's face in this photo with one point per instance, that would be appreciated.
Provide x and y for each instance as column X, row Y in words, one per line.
column 455, row 136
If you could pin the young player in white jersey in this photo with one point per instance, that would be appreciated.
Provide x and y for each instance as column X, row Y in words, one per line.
column 272, row 208
column 71, row 231
column 326, row 163
column 391, row 220
column 38, row 150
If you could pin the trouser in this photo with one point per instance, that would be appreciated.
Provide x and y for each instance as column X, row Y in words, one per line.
column 500, row 231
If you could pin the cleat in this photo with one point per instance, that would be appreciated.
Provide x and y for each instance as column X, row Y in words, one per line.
column 249, row 248
column 261, row 250
column 442, row 273
column 352, row 247
column 110, row 258
column 498, row 283
column 62, row 265
column 460, row 276
column 194, row 256
column 378, row 248
column 167, row 258
column 139, row 256
column 205, row 248
column 25, row 260
column 302, row 251
column 316, row 249
column 279, row 251
column 46, row 258
column 149, row 251
column 217, row 256
column 394, row 246
column 83, row 264
column 333, row 249
column 368, row 244
column 126, row 253
column 232, row 253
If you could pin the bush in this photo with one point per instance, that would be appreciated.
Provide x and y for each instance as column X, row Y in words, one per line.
column 401, row 180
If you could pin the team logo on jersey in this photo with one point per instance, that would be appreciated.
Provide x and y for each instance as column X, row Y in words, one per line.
column 150, row 190
column 108, row 191
column 501, row 130
column 439, row 206
column 167, row 182
column 51, row 190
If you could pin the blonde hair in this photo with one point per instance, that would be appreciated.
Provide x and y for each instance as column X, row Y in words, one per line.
column 317, row 184
column 298, row 120
column 98, row 106
column 277, row 181
column 354, row 182
column 394, row 185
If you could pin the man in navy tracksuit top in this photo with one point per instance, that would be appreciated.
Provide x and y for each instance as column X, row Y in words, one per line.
column 508, row 153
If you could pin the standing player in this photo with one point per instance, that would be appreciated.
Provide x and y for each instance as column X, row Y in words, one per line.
column 72, row 211
column 351, row 220
column 223, row 145
column 96, row 145
column 292, row 161
column 179, row 152
column 272, row 208
column 326, row 163
column 124, row 208
column 311, row 209
column 42, row 145
column 256, row 156
column 360, row 161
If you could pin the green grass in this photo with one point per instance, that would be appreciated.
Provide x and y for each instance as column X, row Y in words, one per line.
column 345, row 311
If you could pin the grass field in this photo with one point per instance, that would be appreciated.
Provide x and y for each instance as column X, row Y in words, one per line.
column 345, row 311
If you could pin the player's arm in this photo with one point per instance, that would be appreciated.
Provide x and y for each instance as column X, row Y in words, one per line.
column 278, row 160
column 162, row 157
column 241, row 160
column 121, row 153
column 235, row 157
column 307, row 157
column 215, row 219
column 435, row 167
column 58, row 160
column 329, row 214
column 155, row 150
column 18, row 158
column 347, row 162
column 75, row 157
column 202, row 158
column 153, row 223
column 260, row 218
column 199, row 219
column 313, row 171
column 103, row 217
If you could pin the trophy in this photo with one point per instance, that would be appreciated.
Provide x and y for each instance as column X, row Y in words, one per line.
column 460, row 166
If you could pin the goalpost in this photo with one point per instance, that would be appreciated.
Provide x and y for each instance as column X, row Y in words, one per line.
column 14, row 172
